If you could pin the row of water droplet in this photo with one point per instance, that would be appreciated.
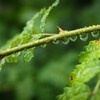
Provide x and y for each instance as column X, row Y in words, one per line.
column 83, row 37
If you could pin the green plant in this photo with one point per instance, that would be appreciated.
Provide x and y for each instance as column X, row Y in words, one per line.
column 77, row 87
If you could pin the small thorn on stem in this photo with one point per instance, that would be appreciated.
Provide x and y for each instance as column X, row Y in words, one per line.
column 61, row 30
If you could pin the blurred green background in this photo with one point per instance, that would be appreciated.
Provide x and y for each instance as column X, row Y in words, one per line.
column 45, row 76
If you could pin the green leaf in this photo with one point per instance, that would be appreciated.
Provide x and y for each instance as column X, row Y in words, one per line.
column 36, row 37
column 30, row 26
column 16, row 42
column 77, row 92
column 43, row 20
column 91, row 52
column 13, row 58
column 88, row 68
column 81, row 96
column 82, row 73
column 25, row 39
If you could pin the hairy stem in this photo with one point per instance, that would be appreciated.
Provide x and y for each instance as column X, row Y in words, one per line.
column 45, row 40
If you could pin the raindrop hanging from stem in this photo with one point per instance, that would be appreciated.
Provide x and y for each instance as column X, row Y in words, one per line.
column 95, row 34
column 73, row 38
column 65, row 41
column 84, row 36
column 56, row 41
column 43, row 45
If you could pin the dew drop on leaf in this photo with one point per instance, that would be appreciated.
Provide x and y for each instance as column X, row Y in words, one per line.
column 73, row 38
column 43, row 45
column 95, row 34
column 84, row 36
column 66, row 41
column 56, row 41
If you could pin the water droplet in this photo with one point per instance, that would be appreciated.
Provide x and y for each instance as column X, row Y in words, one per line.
column 73, row 38
column 95, row 34
column 56, row 41
column 84, row 36
column 43, row 45
column 66, row 41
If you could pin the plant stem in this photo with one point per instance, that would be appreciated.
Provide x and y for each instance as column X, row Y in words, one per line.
column 47, row 34
column 45, row 40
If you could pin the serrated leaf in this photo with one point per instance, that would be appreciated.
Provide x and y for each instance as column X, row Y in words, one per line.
column 77, row 92
column 81, row 96
column 43, row 20
column 13, row 58
column 25, row 39
column 16, row 42
column 88, row 68
column 31, row 24
column 91, row 52
column 82, row 73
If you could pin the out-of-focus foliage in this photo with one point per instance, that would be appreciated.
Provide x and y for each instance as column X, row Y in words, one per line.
column 27, row 81
column 45, row 76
